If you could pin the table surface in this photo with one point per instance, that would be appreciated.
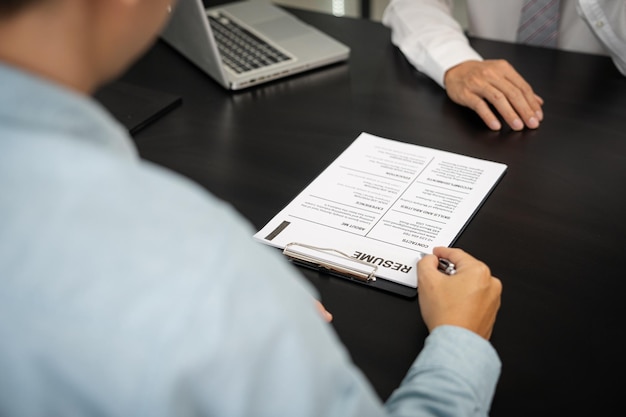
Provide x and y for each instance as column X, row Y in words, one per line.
column 552, row 230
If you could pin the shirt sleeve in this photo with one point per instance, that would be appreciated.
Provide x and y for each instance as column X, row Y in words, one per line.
column 455, row 375
column 428, row 36
column 607, row 20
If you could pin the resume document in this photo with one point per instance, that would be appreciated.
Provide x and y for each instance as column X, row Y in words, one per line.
column 386, row 203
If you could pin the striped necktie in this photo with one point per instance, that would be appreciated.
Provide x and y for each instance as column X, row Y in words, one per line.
column 539, row 23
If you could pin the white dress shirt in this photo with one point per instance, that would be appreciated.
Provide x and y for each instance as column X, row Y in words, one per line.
column 433, row 41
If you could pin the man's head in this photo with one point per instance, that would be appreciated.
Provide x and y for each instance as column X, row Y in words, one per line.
column 80, row 43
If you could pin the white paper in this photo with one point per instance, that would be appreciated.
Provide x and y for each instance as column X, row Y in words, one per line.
column 387, row 203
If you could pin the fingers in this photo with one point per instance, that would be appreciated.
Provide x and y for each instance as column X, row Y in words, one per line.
column 325, row 314
column 514, row 100
column 521, row 94
column 478, row 84
column 429, row 264
column 469, row 299
column 453, row 254
column 540, row 100
column 464, row 262
column 483, row 110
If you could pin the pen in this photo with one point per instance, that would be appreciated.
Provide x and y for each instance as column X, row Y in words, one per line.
column 446, row 266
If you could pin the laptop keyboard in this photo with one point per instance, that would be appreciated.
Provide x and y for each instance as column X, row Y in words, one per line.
column 241, row 50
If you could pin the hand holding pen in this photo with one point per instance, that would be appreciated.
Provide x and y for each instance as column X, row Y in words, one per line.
column 470, row 298
column 446, row 266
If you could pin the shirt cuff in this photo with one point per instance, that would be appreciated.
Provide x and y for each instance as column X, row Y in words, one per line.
column 471, row 358
column 441, row 59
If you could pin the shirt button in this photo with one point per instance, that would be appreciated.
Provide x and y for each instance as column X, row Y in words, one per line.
column 599, row 24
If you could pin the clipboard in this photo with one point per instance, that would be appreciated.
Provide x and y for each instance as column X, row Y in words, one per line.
column 378, row 208
column 341, row 265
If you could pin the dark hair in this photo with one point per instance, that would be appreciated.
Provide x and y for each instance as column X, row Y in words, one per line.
column 8, row 7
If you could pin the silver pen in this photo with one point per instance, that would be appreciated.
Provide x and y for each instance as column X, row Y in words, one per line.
column 446, row 266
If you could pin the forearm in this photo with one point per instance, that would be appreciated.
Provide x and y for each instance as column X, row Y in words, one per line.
column 428, row 35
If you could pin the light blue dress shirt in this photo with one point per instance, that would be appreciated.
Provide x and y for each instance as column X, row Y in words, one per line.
column 123, row 292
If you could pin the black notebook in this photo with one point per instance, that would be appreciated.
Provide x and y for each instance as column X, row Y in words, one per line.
column 134, row 106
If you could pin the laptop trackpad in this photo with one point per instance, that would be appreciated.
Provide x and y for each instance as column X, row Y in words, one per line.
column 283, row 28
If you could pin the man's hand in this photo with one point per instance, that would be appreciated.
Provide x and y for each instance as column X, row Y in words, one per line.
column 470, row 298
column 475, row 83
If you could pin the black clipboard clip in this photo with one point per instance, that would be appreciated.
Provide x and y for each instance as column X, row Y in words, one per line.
column 331, row 260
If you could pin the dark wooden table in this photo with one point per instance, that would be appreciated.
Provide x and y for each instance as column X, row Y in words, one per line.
column 553, row 230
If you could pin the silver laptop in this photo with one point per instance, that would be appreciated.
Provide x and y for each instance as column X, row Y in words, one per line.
column 219, row 41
